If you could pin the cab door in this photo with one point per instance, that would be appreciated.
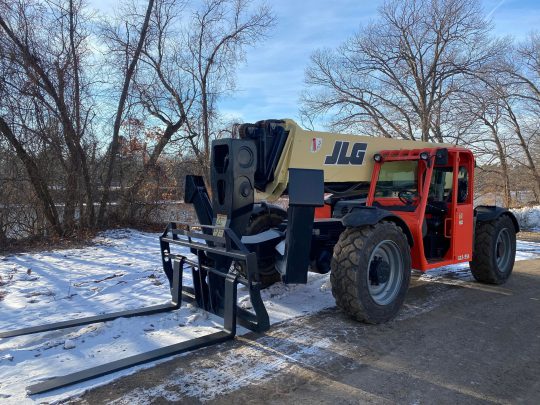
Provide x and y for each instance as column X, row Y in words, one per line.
column 462, row 225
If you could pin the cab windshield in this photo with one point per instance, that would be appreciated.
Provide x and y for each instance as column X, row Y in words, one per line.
column 398, row 180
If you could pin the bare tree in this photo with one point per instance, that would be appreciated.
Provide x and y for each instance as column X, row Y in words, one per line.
column 482, row 105
column 42, row 43
column 168, row 67
column 525, row 132
column 399, row 75
column 523, row 65
column 517, row 80
column 216, row 42
column 186, row 67
column 134, row 38
column 36, row 178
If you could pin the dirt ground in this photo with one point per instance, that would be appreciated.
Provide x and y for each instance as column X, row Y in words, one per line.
column 529, row 236
column 455, row 341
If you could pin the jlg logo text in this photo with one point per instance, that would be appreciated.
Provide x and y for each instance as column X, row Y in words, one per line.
column 340, row 154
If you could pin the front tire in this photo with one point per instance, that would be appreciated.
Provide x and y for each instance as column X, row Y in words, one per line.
column 371, row 271
column 494, row 250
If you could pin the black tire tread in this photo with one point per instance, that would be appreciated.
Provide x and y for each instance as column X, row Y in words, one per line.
column 482, row 265
column 260, row 223
column 344, row 265
column 263, row 222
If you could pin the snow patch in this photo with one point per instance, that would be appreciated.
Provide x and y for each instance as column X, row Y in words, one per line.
column 6, row 357
column 121, row 271
column 211, row 379
column 528, row 217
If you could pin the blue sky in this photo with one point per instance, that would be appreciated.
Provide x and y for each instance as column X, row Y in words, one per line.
column 269, row 84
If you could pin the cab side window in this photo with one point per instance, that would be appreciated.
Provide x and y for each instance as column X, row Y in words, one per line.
column 463, row 185
column 441, row 184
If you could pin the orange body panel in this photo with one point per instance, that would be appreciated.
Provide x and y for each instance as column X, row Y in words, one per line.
column 323, row 212
column 459, row 220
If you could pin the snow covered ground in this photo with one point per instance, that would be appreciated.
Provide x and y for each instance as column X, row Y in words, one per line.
column 122, row 270
column 528, row 217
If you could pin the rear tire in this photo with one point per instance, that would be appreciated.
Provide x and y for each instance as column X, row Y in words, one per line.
column 371, row 271
column 260, row 223
column 494, row 250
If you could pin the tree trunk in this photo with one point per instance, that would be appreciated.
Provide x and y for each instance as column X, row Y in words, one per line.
column 39, row 184
column 425, row 127
column 70, row 199
column 507, row 196
column 113, row 149
column 3, row 236
column 86, row 218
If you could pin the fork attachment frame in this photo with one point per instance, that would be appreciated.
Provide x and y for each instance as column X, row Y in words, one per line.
column 213, row 245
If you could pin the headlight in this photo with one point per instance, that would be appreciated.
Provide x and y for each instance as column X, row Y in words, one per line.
column 424, row 156
column 377, row 157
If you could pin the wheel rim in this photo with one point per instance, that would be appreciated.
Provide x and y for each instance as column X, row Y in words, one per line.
column 503, row 250
column 384, row 293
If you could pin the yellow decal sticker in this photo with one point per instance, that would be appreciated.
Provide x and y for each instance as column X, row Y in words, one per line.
column 221, row 220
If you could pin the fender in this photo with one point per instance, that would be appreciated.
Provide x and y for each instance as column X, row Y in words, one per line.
column 484, row 213
column 360, row 216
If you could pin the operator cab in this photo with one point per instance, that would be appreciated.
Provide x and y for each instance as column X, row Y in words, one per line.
column 418, row 187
